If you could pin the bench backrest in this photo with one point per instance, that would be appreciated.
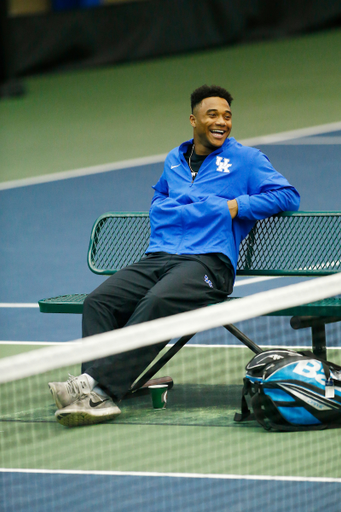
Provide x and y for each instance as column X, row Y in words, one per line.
column 290, row 243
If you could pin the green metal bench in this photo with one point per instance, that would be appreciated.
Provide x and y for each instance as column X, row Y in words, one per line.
column 288, row 244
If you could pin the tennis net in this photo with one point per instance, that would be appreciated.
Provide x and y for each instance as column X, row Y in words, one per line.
column 189, row 455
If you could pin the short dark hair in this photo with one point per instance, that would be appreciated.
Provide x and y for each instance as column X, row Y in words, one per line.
column 206, row 91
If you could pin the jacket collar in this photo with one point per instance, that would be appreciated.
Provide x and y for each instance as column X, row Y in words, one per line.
column 228, row 142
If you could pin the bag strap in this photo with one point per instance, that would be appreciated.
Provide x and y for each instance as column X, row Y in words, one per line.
column 245, row 414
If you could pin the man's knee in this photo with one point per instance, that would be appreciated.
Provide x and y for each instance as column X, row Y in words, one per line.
column 91, row 303
column 152, row 306
column 98, row 315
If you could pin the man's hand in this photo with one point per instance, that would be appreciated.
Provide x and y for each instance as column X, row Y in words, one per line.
column 233, row 207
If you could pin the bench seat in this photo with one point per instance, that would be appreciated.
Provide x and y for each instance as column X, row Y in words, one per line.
column 74, row 304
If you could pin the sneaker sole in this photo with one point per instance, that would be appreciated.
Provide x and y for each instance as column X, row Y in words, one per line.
column 79, row 418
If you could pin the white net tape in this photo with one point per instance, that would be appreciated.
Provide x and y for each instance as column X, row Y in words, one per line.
column 132, row 337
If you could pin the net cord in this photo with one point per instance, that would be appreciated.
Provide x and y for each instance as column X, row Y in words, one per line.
column 163, row 329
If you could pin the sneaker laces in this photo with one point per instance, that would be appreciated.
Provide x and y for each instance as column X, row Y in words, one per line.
column 75, row 386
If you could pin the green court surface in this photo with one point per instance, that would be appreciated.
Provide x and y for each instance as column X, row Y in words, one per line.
column 194, row 434
column 92, row 117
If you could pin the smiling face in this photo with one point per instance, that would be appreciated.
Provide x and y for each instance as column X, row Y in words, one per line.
column 212, row 124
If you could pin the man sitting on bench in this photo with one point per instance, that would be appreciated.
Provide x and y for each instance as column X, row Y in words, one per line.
column 211, row 193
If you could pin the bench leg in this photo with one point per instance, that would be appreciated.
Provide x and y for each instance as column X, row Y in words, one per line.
column 174, row 349
column 160, row 363
column 243, row 338
column 318, row 333
column 152, row 382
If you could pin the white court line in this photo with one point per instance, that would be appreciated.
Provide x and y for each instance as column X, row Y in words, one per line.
column 254, row 280
column 115, row 166
column 19, row 305
column 292, row 134
column 243, row 282
column 84, row 171
column 312, row 141
column 286, row 347
column 43, row 343
column 175, row 475
column 188, row 345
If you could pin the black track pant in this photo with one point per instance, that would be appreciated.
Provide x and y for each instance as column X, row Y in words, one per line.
column 159, row 285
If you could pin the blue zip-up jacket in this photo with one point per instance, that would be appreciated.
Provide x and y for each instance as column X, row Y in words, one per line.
column 192, row 217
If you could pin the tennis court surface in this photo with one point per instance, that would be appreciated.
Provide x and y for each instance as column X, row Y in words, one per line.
column 191, row 456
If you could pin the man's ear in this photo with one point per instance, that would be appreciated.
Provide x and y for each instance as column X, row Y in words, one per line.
column 193, row 120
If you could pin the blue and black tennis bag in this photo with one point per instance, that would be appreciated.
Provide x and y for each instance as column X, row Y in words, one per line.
column 292, row 391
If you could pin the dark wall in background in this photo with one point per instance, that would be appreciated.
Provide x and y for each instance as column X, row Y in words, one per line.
column 151, row 28
column 3, row 41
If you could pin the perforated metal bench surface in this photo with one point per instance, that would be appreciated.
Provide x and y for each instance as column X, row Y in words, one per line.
column 291, row 243
column 72, row 303
column 288, row 244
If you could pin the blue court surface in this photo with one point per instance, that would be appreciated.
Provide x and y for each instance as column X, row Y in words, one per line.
column 46, row 228
column 162, row 494
column 45, row 232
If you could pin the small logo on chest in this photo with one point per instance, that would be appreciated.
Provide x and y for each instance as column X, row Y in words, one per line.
column 223, row 164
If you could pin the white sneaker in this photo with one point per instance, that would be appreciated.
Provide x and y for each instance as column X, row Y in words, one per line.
column 88, row 410
column 65, row 393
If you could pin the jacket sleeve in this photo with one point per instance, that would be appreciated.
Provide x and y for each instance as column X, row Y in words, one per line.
column 161, row 193
column 269, row 192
